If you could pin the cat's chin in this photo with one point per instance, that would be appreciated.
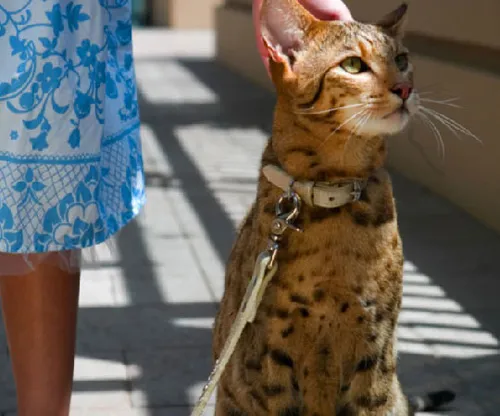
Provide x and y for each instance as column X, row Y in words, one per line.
column 388, row 125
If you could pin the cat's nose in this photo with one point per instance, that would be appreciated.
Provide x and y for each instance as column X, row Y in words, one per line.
column 402, row 90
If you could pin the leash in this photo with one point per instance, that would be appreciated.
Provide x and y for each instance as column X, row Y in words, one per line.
column 265, row 268
column 326, row 195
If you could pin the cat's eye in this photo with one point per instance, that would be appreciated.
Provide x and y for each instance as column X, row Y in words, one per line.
column 354, row 65
column 402, row 61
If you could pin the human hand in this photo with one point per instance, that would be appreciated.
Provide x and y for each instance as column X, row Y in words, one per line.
column 322, row 9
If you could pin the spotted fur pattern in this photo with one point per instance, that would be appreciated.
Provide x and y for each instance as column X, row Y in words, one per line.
column 323, row 342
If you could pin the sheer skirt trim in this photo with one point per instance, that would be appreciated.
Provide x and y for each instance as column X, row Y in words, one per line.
column 70, row 261
column 21, row 264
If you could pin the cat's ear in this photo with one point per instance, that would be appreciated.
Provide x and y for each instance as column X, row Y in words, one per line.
column 394, row 23
column 283, row 27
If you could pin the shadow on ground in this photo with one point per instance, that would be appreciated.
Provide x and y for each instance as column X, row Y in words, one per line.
column 458, row 254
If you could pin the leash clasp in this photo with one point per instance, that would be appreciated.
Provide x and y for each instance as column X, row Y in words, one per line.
column 287, row 211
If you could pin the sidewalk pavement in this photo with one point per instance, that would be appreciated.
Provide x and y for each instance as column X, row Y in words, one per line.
column 147, row 306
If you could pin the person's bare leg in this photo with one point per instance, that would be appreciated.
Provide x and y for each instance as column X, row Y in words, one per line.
column 40, row 311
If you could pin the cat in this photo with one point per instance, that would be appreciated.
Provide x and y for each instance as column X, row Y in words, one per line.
column 323, row 342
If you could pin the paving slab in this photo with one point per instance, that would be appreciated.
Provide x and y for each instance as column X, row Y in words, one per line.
column 171, row 377
column 166, row 411
column 3, row 338
column 101, row 382
column 7, row 390
column 143, row 327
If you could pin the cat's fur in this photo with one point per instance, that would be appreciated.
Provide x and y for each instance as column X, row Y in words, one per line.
column 323, row 342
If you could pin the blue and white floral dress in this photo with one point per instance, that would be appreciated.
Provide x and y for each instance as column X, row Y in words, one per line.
column 71, row 171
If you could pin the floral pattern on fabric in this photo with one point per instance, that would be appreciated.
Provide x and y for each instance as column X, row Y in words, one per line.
column 70, row 156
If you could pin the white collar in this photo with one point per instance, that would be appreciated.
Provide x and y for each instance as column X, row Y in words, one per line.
column 320, row 194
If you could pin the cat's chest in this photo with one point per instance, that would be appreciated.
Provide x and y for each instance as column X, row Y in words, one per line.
column 306, row 311
column 342, row 286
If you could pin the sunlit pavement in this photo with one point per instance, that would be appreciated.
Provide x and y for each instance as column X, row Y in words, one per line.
column 148, row 305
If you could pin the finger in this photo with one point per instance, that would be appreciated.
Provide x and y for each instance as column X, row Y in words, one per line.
column 327, row 9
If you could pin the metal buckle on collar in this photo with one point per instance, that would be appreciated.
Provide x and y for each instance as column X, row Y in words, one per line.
column 357, row 189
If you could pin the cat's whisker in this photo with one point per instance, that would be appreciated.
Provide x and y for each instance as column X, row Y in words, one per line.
column 329, row 109
column 450, row 123
column 427, row 97
column 343, row 124
column 433, row 88
column 362, row 123
column 436, row 133
column 443, row 122
column 425, row 92
column 363, row 119
column 438, row 136
column 447, row 102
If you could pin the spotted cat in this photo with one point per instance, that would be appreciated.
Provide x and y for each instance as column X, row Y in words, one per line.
column 323, row 342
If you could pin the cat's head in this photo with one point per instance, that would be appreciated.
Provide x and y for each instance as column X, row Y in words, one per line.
column 361, row 71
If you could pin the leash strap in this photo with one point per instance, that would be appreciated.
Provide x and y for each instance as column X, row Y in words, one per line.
column 262, row 275
column 264, row 270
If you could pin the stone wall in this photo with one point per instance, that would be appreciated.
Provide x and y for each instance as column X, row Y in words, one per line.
column 184, row 14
